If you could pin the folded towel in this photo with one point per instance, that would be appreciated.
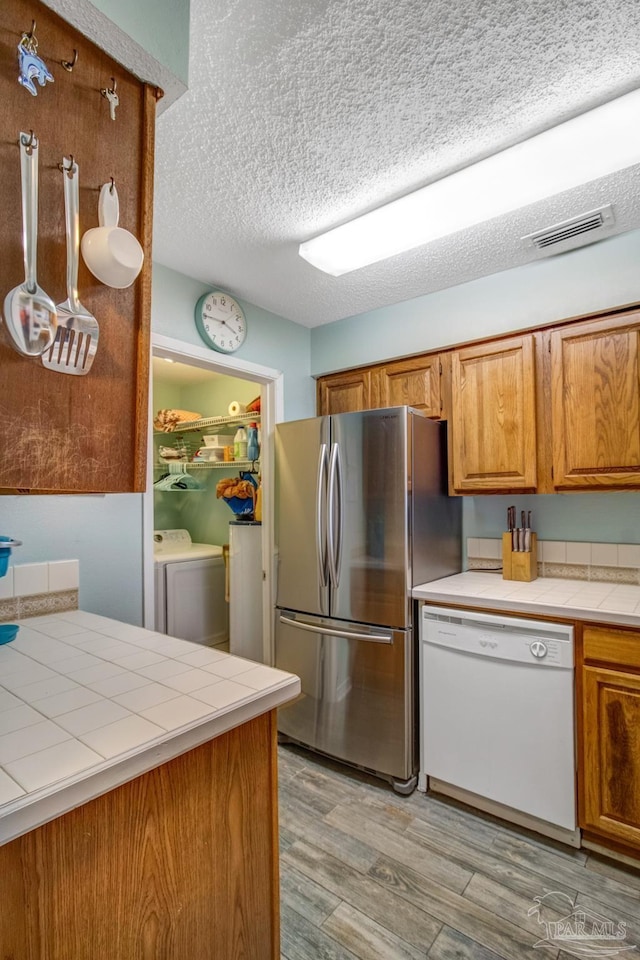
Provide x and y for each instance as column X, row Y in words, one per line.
column 167, row 420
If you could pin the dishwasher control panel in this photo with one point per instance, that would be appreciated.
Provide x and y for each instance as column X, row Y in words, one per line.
column 502, row 638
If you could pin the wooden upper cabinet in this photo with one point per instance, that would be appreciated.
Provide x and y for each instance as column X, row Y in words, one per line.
column 595, row 403
column 493, row 417
column 344, row 392
column 414, row 382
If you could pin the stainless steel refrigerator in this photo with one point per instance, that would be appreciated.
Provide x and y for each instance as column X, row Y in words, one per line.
column 362, row 515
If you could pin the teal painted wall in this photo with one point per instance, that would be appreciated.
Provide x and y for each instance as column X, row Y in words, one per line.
column 161, row 27
column 597, row 277
column 103, row 532
column 589, row 517
column 271, row 340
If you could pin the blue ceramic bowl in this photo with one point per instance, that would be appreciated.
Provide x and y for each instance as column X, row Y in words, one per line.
column 8, row 632
column 5, row 553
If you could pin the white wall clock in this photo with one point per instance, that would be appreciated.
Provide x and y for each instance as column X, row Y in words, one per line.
column 220, row 321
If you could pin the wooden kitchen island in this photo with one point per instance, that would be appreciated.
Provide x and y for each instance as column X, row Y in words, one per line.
column 177, row 862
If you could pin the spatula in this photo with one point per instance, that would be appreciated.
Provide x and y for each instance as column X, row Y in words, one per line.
column 76, row 340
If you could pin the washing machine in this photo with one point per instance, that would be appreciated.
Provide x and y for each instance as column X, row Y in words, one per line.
column 189, row 588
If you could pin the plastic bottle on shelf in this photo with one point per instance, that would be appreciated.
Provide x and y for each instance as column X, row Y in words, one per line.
column 253, row 448
column 240, row 444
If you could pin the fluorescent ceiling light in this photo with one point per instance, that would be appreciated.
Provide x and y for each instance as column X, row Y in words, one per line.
column 590, row 146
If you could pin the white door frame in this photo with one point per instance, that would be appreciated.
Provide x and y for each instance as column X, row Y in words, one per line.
column 272, row 411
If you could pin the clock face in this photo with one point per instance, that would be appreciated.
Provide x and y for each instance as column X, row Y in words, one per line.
column 220, row 321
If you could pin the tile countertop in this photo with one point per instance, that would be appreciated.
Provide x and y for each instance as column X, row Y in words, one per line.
column 548, row 596
column 88, row 703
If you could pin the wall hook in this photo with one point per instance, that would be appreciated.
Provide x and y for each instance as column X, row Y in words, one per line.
column 67, row 169
column 70, row 64
column 29, row 142
column 110, row 94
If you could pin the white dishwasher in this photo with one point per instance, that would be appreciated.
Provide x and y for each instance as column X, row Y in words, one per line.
column 497, row 716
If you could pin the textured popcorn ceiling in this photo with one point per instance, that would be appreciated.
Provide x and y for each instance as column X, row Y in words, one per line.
column 302, row 114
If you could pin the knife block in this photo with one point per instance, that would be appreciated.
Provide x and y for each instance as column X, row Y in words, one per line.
column 517, row 565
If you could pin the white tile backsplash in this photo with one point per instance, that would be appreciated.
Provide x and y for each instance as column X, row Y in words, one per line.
column 63, row 575
column 579, row 553
column 604, row 554
column 629, row 554
column 554, row 551
column 33, row 584
column 6, row 585
column 491, row 549
column 578, row 561
column 30, row 578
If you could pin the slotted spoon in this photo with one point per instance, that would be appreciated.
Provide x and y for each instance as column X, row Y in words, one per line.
column 29, row 312
column 76, row 340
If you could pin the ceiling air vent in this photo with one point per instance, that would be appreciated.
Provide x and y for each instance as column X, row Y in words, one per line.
column 576, row 232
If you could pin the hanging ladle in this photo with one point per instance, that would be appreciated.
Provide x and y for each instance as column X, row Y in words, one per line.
column 29, row 313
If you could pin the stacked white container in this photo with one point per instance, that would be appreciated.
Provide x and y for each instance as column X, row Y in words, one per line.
column 245, row 590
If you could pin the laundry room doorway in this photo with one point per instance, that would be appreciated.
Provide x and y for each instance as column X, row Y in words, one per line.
column 208, row 561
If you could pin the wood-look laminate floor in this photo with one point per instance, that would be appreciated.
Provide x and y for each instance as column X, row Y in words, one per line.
column 371, row 875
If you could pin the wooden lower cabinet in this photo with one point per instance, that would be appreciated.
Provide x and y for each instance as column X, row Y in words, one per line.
column 610, row 736
column 179, row 864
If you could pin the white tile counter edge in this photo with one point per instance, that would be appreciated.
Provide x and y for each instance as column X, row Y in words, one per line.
column 476, row 589
column 37, row 806
column 26, row 813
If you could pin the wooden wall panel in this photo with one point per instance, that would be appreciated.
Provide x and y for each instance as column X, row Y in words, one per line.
column 60, row 432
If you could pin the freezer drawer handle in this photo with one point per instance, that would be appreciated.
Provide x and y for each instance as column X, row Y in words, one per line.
column 330, row 632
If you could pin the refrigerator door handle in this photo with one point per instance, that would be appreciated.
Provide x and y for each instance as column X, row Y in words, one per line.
column 321, row 518
column 332, row 632
column 334, row 506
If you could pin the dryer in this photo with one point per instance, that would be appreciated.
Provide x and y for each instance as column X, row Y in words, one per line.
column 189, row 588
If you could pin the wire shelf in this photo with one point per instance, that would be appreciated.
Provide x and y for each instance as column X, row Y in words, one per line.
column 190, row 426
column 208, row 464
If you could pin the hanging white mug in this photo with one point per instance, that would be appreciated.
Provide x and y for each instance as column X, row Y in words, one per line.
column 113, row 255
